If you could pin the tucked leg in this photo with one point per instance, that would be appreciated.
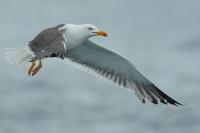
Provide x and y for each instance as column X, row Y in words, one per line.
column 31, row 68
column 36, row 69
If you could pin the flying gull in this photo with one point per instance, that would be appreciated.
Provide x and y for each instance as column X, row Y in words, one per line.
column 73, row 42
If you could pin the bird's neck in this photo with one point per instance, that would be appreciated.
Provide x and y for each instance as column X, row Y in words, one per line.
column 73, row 40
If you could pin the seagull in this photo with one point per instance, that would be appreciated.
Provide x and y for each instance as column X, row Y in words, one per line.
column 72, row 42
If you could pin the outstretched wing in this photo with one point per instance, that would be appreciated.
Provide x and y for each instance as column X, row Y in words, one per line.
column 118, row 69
column 48, row 43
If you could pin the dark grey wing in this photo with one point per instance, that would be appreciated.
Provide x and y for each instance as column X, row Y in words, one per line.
column 49, row 43
column 118, row 69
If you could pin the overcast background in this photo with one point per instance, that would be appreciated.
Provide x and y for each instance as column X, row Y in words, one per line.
column 162, row 39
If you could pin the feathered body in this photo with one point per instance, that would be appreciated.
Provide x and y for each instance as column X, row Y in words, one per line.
column 72, row 42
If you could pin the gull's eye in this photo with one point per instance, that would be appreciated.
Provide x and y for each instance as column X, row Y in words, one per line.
column 89, row 28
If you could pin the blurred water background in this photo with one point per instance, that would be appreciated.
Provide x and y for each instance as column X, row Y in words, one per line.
column 162, row 39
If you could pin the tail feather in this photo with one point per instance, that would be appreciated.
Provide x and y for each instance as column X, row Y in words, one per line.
column 18, row 56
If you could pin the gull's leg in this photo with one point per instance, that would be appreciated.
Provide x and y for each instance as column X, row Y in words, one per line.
column 31, row 68
column 36, row 70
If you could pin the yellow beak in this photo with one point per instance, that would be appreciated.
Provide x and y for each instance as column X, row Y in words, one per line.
column 102, row 33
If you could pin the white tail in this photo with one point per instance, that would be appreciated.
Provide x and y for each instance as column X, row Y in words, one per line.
column 18, row 56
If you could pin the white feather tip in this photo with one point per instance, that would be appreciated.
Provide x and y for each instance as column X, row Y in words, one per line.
column 18, row 56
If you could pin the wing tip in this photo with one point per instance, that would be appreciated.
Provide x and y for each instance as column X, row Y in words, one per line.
column 153, row 94
column 163, row 102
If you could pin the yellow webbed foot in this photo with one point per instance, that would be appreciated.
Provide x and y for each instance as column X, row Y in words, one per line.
column 31, row 68
column 37, row 69
column 34, row 70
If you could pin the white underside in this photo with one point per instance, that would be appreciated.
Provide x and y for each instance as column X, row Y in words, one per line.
column 18, row 56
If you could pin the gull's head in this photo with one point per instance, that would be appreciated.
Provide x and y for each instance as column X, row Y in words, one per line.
column 91, row 30
column 81, row 32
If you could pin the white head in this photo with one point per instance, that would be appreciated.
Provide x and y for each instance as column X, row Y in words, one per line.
column 79, row 33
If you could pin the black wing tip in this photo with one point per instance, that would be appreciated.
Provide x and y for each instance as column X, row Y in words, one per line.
column 166, row 102
column 161, row 96
column 165, row 98
column 175, row 103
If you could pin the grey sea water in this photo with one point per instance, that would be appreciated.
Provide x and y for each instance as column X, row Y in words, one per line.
column 162, row 39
